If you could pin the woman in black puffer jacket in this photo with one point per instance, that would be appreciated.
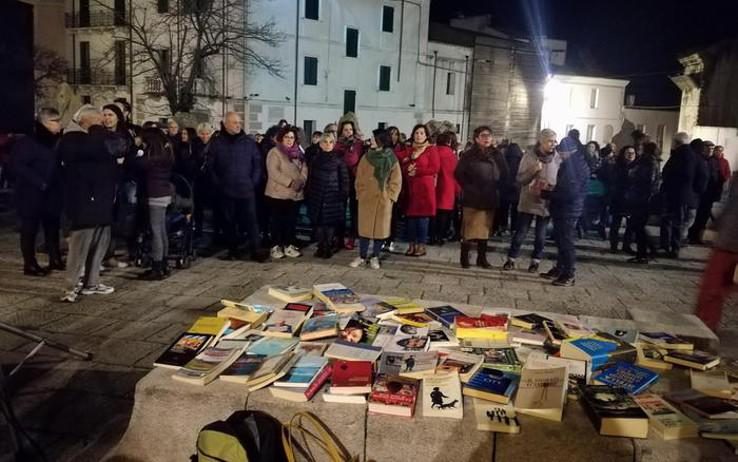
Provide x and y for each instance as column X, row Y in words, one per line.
column 618, row 209
column 641, row 185
column 326, row 193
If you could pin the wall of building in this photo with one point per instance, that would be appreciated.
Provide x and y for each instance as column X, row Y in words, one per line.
column 451, row 73
column 660, row 125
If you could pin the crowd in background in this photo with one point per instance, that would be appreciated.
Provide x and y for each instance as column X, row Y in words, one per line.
column 112, row 183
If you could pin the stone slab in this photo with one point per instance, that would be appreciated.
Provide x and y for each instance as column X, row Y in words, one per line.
column 390, row 438
column 688, row 326
column 687, row 450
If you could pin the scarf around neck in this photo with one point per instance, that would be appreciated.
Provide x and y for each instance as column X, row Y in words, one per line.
column 292, row 153
column 419, row 149
column 383, row 160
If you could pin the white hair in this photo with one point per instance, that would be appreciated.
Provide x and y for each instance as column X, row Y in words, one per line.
column 681, row 138
column 204, row 126
column 327, row 136
column 84, row 109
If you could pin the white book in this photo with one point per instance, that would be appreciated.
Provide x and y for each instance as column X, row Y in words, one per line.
column 542, row 392
column 284, row 323
column 409, row 364
column 385, row 334
column 352, row 351
column 409, row 338
column 577, row 370
column 345, row 399
column 711, row 383
column 442, row 396
column 494, row 417
column 665, row 420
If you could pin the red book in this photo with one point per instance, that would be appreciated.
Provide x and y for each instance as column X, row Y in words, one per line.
column 351, row 373
column 393, row 395
column 488, row 321
column 301, row 307
column 318, row 382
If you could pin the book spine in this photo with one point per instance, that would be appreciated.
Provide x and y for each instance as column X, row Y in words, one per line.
column 318, row 382
column 392, row 399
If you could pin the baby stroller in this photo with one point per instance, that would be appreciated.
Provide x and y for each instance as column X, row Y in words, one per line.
column 180, row 228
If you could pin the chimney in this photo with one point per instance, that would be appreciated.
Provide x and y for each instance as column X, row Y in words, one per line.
column 630, row 100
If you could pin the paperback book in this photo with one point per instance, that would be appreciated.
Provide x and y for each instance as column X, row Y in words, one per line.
column 492, row 385
column 409, row 364
column 302, row 372
column 393, row 396
column 383, row 334
column 707, row 407
column 465, row 364
column 353, row 351
column 445, row 315
column 183, row 350
column 442, row 397
column 208, row 325
column 524, row 336
column 652, row 357
column 711, row 383
column 206, row 366
column 338, row 297
column 665, row 420
column 631, row 378
column 409, row 338
column 441, row 338
column 253, row 318
column 542, row 392
column 351, row 377
column 317, row 327
column 353, row 330
column 241, row 370
column 491, row 417
column 694, row 359
column 284, row 323
column 486, row 326
column 271, row 346
column 665, row 340
column 272, row 369
column 303, row 394
column 529, row 321
column 613, row 412
column 291, row 294
column 578, row 371
column 413, row 319
column 404, row 305
column 554, row 335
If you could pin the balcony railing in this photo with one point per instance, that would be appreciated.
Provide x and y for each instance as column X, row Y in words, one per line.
column 95, row 18
column 85, row 76
column 154, row 85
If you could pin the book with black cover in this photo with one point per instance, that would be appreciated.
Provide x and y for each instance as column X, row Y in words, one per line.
column 613, row 412
column 183, row 350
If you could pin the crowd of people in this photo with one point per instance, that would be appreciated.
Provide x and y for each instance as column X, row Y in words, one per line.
column 111, row 180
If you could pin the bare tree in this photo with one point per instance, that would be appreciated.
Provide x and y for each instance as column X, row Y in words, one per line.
column 48, row 69
column 183, row 44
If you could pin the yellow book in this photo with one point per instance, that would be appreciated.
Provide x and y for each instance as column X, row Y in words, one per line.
column 251, row 317
column 481, row 333
column 210, row 325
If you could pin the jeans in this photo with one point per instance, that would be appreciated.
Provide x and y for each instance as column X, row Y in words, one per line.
column 701, row 218
column 86, row 251
column 417, row 230
column 617, row 220
column 159, row 240
column 283, row 221
column 349, row 230
column 239, row 214
column 364, row 247
column 441, row 225
column 565, row 232
column 638, row 222
column 671, row 226
column 507, row 214
column 690, row 215
column 29, row 229
column 524, row 221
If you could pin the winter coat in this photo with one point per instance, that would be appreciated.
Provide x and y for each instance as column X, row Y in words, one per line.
column 350, row 153
column 420, row 200
column 481, row 175
column 567, row 197
column 724, row 169
column 701, row 181
column 446, row 187
column 34, row 162
column 715, row 181
column 511, row 189
column 727, row 221
column 235, row 165
column 678, row 177
column 327, row 189
column 641, row 183
column 619, row 185
column 375, row 204
column 282, row 174
column 89, row 174
column 533, row 175
column 157, row 176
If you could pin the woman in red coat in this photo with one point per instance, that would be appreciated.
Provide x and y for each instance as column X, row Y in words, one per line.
column 420, row 165
column 446, row 187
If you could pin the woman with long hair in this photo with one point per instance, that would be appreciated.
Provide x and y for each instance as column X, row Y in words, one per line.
column 446, row 187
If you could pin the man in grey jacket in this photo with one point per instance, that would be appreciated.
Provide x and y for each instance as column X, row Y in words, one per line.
column 537, row 172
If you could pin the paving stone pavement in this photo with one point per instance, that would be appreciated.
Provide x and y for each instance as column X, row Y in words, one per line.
column 77, row 410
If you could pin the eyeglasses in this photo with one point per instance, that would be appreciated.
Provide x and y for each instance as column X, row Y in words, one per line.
column 288, row 137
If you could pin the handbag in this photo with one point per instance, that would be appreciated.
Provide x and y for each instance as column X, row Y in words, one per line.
column 305, row 428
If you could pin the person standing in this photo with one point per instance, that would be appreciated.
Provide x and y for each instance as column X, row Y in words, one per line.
column 713, row 191
column 420, row 165
column 88, row 166
column 719, row 154
column 378, row 185
column 641, row 185
column 446, row 187
column 202, row 189
column 699, row 187
column 508, row 211
column 481, row 172
column 326, row 193
column 537, row 172
column 235, row 169
column 350, row 147
column 38, row 191
column 718, row 278
column 287, row 173
column 678, row 177
column 566, row 207
column 314, row 147
column 618, row 210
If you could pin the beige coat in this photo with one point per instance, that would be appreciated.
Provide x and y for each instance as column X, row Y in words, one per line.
column 281, row 173
column 375, row 205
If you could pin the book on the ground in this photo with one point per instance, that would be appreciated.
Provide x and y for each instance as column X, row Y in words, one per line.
column 631, row 378
column 441, row 338
column 329, row 397
column 695, row 359
column 311, row 348
column 623, row 329
column 353, row 330
column 271, row 346
column 413, row 319
column 442, row 396
column 578, row 371
column 529, row 321
column 353, row 351
column 486, row 326
column 242, row 368
column 410, row 364
column 210, row 325
column 206, row 366
column 613, row 412
column 303, row 372
column 665, row 420
column 553, row 333
column 665, row 340
column 284, row 323
column 573, row 328
column 505, row 359
column 303, row 394
column 492, row 384
column 445, row 315
column 253, row 318
column 705, row 406
column 404, row 305
column 393, row 396
column 492, row 417
column 301, row 307
column 291, row 294
column 383, row 334
column 351, row 377
column 524, row 336
column 233, row 326
column 711, row 383
column 376, row 310
column 272, row 369
column 465, row 364
column 409, row 338
column 255, row 307
column 183, row 350
column 711, row 425
column 598, row 352
column 338, row 297
column 651, row 357
column 316, row 327
column 542, row 392
column 472, row 343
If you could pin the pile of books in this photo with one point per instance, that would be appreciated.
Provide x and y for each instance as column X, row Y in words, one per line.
column 390, row 353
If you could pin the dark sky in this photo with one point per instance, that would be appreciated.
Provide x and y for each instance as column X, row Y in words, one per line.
column 637, row 40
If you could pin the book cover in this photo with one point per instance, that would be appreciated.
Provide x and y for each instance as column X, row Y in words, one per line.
column 465, row 364
column 441, row 338
column 574, row 328
column 302, row 373
column 494, row 417
column 500, row 358
column 290, row 293
column 383, row 334
column 666, row 421
column 442, row 397
column 486, row 321
column 253, row 318
column 301, row 307
column 492, row 384
column 209, row 325
column 183, row 350
column 242, row 368
column 554, row 334
column 578, row 370
column 311, row 348
column 445, row 314
column 404, row 305
column 666, row 340
column 206, row 366
column 270, row 346
column 413, row 319
column 598, row 352
column 303, row 394
column 529, row 321
column 523, row 336
column 711, row 383
column 652, row 357
column 320, row 327
column 696, row 359
column 354, row 331
column 631, row 378
column 338, row 297
column 283, row 323
column 271, row 369
column 542, row 392
column 353, row 351
column 408, row 363
column 351, row 373
column 375, row 310
column 613, row 412
column 390, row 391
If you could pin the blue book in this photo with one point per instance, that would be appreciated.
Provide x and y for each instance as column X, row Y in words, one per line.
column 272, row 346
column 589, row 349
column 444, row 314
column 303, row 372
column 492, row 384
column 631, row 378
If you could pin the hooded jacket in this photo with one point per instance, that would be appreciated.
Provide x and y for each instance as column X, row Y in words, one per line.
column 235, row 165
column 567, row 197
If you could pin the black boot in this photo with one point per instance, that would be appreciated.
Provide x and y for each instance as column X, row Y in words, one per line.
column 482, row 254
column 464, row 258
column 155, row 273
column 166, row 270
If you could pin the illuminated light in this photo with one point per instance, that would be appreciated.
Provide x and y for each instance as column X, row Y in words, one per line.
column 553, row 89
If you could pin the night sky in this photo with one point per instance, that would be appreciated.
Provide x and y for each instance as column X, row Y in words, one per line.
column 636, row 40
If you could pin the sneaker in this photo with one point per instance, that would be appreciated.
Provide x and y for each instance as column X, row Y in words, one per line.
column 509, row 265
column 71, row 296
column 553, row 273
column 276, row 253
column 100, row 289
column 392, row 248
column 115, row 263
column 357, row 262
column 564, row 281
column 292, row 252
column 374, row 263
column 533, row 268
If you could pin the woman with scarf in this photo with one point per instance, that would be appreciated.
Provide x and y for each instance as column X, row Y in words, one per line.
column 537, row 172
column 287, row 173
column 326, row 193
column 349, row 147
column 420, row 165
column 378, row 184
column 481, row 173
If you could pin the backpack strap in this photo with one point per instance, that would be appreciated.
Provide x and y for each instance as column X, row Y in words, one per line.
column 319, row 433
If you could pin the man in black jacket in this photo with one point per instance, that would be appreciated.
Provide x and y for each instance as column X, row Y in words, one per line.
column 712, row 192
column 677, row 189
column 89, row 179
column 38, row 192
column 236, row 170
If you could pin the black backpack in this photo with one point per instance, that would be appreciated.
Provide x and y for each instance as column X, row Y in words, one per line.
column 245, row 436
